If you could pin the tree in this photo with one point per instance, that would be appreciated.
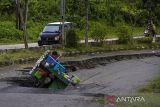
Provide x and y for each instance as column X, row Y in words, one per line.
column 86, row 33
column 19, row 15
column 133, row 12
column 21, row 18
column 25, row 24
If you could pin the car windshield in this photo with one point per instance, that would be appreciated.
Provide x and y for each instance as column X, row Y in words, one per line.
column 51, row 29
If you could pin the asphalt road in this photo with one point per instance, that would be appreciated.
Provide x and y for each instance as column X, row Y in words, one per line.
column 118, row 78
column 17, row 46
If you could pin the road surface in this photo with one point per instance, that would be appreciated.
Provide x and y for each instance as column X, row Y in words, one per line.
column 118, row 78
column 17, row 46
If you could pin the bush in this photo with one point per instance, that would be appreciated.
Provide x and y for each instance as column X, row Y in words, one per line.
column 124, row 34
column 12, row 34
column 34, row 28
column 146, row 40
column 72, row 38
column 157, row 39
column 8, row 31
column 98, row 33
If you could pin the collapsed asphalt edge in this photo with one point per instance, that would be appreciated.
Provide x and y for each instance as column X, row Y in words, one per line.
column 86, row 63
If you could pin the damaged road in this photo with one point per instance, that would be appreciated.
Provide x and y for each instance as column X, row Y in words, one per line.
column 116, row 78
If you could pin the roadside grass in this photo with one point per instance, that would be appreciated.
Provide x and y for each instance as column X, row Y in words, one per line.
column 4, row 41
column 19, row 54
column 112, row 47
column 152, row 87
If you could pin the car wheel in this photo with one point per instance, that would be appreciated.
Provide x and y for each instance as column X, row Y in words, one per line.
column 40, row 43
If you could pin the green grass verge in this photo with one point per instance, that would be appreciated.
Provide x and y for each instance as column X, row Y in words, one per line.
column 112, row 47
column 152, row 87
column 19, row 54
column 5, row 41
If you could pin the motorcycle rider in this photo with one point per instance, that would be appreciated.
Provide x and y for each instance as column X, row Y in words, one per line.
column 151, row 29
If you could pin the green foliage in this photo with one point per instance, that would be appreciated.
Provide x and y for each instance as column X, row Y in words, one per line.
column 34, row 28
column 44, row 10
column 124, row 34
column 13, row 34
column 112, row 11
column 8, row 31
column 7, row 6
column 98, row 33
column 107, row 12
column 146, row 40
column 72, row 38
column 154, row 86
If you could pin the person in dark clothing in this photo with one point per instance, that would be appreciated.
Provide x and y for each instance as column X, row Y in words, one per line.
column 151, row 28
column 55, row 55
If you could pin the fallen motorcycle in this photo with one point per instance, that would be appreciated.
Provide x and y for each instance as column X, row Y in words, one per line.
column 50, row 73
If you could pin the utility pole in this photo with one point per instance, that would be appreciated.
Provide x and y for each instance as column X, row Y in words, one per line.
column 86, row 33
column 63, row 19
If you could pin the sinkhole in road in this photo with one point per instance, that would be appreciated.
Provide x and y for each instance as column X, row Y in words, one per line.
column 94, row 80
